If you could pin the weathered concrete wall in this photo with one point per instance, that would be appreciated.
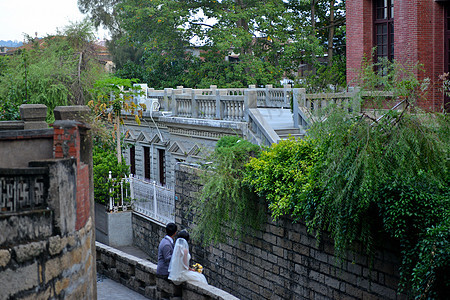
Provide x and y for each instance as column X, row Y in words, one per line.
column 140, row 275
column 31, row 144
column 43, row 255
column 283, row 261
column 113, row 228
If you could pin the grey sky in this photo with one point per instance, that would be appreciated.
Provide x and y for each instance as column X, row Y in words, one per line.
column 41, row 16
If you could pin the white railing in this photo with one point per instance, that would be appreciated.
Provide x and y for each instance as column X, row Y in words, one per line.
column 119, row 194
column 142, row 196
column 152, row 200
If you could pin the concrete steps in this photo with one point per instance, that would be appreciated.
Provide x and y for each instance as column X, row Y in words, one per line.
column 281, row 121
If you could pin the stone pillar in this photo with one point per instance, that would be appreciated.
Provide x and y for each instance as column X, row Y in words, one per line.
column 250, row 101
column 33, row 116
column 73, row 139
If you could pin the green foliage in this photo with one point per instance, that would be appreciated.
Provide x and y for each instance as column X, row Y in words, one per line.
column 105, row 160
column 367, row 173
column 56, row 70
column 282, row 175
column 326, row 78
column 226, row 206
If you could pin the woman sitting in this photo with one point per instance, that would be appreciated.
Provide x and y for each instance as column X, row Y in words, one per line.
column 179, row 270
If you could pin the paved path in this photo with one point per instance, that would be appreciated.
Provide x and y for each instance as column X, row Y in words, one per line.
column 108, row 289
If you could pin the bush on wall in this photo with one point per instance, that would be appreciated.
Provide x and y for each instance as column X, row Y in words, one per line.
column 105, row 160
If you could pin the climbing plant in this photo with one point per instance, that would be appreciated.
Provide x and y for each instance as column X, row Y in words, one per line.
column 226, row 205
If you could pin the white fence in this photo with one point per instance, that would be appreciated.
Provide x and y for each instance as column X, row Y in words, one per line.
column 152, row 200
column 144, row 197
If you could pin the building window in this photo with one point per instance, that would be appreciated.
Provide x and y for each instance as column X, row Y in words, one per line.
column 147, row 162
column 384, row 29
column 133, row 160
column 162, row 166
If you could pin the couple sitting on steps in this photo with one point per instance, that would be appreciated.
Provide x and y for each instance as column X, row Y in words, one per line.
column 173, row 257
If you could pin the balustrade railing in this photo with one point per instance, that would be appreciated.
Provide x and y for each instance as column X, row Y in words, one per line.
column 234, row 104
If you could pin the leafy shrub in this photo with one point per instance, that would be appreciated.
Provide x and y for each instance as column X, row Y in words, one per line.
column 105, row 160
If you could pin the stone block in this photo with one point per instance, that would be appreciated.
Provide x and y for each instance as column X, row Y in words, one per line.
column 29, row 251
column 21, row 279
column 75, row 112
column 61, row 285
column 124, row 268
column 56, row 245
column 5, row 257
column 33, row 112
column 40, row 295
column 150, row 292
column 168, row 287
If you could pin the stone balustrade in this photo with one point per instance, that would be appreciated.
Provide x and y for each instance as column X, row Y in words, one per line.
column 233, row 104
column 140, row 276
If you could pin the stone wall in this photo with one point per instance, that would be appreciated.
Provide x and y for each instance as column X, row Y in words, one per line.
column 47, row 241
column 140, row 275
column 283, row 261
column 147, row 234
column 56, row 267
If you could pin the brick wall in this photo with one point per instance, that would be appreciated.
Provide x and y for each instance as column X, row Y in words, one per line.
column 419, row 38
column 283, row 261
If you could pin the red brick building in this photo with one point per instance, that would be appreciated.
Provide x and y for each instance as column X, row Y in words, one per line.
column 411, row 31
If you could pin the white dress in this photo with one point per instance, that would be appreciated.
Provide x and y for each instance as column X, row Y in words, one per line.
column 179, row 264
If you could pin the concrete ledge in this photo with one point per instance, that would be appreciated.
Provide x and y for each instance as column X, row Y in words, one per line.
column 140, row 276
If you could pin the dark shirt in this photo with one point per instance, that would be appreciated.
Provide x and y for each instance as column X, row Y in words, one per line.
column 165, row 250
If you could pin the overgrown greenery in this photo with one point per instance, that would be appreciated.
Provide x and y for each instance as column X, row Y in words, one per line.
column 56, row 70
column 113, row 95
column 360, row 177
column 226, row 206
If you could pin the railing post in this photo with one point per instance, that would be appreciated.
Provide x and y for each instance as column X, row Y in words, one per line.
column 287, row 87
column 295, row 97
column 174, row 104
column 219, row 108
column 131, row 186
column 266, row 96
column 356, row 100
column 249, row 102
column 155, row 204
column 194, row 105
column 110, row 192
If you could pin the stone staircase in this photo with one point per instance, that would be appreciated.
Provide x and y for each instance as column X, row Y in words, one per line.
column 282, row 122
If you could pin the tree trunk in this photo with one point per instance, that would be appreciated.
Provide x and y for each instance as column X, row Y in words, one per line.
column 118, row 147
column 313, row 32
column 331, row 34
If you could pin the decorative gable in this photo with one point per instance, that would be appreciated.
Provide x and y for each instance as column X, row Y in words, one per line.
column 130, row 136
column 177, row 149
column 143, row 138
column 195, row 151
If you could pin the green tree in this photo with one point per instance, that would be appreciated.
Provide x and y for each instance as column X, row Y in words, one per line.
column 111, row 96
column 272, row 38
column 56, row 70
